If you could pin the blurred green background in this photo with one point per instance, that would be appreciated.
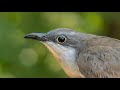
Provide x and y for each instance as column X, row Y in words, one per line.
column 21, row 58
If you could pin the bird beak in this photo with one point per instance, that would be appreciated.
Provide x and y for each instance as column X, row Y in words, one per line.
column 36, row 36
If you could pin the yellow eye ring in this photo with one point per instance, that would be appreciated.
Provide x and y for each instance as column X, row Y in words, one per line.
column 61, row 39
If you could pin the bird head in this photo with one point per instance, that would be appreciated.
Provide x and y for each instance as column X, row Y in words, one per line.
column 65, row 44
column 58, row 41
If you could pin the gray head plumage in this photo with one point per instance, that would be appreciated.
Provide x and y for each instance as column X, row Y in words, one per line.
column 73, row 37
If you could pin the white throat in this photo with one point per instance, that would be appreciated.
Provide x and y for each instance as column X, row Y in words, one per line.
column 65, row 57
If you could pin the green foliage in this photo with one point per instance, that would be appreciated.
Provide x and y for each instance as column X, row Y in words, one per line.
column 27, row 58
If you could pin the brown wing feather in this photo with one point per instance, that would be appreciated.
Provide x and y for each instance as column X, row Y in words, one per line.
column 101, row 59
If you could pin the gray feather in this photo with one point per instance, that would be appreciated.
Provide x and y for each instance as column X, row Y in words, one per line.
column 84, row 55
column 101, row 58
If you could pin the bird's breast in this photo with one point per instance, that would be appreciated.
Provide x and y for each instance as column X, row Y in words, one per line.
column 73, row 73
column 66, row 58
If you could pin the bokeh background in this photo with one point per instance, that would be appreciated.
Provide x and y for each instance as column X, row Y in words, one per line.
column 21, row 58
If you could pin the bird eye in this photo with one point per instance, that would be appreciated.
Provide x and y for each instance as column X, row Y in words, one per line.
column 61, row 39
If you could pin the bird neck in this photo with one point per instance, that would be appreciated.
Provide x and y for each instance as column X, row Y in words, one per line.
column 67, row 60
column 66, row 57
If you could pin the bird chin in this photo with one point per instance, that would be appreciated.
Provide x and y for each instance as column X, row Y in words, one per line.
column 65, row 57
column 52, row 50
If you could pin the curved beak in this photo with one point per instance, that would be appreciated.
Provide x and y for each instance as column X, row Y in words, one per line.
column 37, row 36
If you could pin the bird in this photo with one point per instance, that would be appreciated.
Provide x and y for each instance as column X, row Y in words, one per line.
column 82, row 55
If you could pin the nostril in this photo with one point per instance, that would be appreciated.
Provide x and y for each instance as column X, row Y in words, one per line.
column 36, row 36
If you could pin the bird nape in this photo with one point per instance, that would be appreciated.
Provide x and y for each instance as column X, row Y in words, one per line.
column 82, row 55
